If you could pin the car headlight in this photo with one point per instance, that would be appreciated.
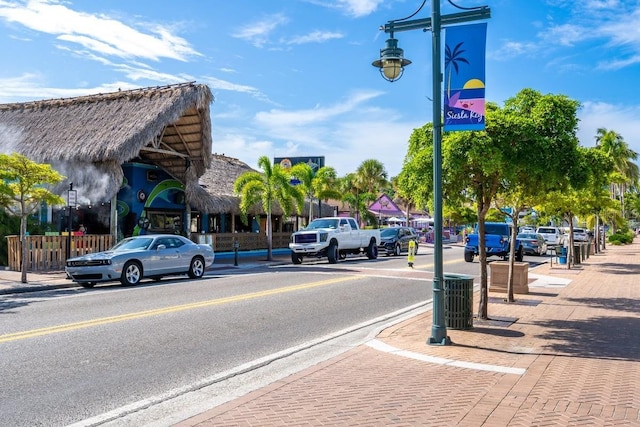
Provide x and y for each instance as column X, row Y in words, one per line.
column 323, row 236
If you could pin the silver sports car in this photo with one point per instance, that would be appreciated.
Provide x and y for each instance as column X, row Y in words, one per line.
column 134, row 258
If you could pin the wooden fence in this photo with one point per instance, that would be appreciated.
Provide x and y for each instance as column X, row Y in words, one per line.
column 46, row 253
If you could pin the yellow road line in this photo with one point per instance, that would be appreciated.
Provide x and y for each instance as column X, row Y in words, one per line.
column 159, row 311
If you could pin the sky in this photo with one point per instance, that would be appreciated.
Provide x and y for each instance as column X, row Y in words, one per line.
column 293, row 78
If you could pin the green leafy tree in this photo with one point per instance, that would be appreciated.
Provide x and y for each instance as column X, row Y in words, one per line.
column 537, row 136
column 625, row 171
column 305, row 174
column 479, row 166
column 371, row 176
column 320, row 184
column 414, row 183
column 23, row 190
column 269, row 187
column 326, row 185
column 356, row 198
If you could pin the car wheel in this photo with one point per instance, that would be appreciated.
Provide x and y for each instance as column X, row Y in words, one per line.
column 295, row 258
column 372, row 250
column 332, row 253
column 131, row 274
column 468, row 256
column 397, row 250
column 196, row 269
column 88, row 285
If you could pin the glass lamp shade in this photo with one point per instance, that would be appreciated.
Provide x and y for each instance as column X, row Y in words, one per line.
column 391, row 68
column 392, row 61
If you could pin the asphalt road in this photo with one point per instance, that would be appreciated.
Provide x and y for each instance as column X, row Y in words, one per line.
column 87, row 356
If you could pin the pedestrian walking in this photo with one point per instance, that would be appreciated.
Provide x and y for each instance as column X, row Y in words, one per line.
column 411, row 253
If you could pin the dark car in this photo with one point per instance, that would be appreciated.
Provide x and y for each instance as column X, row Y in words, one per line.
column 134, row 258
column 395, row 240
column 532, row 243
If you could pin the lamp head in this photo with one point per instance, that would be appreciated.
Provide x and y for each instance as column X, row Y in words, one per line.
column 392, row 61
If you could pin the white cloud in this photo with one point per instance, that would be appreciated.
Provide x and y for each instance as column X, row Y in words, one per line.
column 355, row 8
column 276, row 118
column 314, row 37
column 98, row 33
column 359, row 8
column 257, row 33
column 29, row 87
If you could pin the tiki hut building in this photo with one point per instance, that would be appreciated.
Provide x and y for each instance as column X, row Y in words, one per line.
column 89, row 138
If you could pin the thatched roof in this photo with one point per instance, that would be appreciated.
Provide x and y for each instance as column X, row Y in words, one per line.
column 168, row 126
column 218, row 183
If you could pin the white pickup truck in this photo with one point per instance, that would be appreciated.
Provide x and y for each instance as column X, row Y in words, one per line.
column 333, row 237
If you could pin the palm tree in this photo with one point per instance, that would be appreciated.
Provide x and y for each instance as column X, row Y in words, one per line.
column 321, row 185
column 304, row 174
column 325, row 185
column 356, row 196
column 625, row 167
column 451, row 59
column 371, row 176
column 272, row 185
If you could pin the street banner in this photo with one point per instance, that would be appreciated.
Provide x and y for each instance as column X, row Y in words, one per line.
column 464, row 77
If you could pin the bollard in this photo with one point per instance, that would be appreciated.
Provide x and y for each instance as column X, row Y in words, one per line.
column 236, row 245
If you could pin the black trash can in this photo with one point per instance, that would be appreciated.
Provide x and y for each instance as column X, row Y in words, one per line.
column 576, row 254
column 458, row 301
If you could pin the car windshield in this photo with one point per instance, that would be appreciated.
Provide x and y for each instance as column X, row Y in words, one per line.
column 133, row 243
column 546, row 230
column 389, row 232
column 322, row 223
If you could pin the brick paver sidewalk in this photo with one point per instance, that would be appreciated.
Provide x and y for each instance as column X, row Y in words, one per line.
column 561, row 355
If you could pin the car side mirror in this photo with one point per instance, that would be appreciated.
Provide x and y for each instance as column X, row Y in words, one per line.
column 160, row 247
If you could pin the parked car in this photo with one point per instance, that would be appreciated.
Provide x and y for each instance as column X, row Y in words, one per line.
column 395, row 240
column 527, row 229
column 532, row 243
column 497, row 241
column 552, row 235
column 135, row 258
column 579, row 235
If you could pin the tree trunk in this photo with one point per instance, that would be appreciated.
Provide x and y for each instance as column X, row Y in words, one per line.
column 482, row 255
column 23, row 247
column 269, row 236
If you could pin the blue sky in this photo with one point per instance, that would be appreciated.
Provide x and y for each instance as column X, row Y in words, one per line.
column 294, row 77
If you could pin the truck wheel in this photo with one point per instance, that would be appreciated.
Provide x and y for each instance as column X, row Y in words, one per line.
column 295, row 258
column 519, row 255
column 468, row 256
column 372, row 250
column 332, row 253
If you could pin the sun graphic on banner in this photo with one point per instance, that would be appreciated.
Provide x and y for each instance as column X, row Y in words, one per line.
column 473, row 84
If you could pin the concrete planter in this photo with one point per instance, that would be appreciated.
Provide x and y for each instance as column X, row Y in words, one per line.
column 499, row 274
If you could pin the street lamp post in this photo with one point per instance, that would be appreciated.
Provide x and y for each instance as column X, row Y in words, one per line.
column 391, row 64
column 71, row 203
